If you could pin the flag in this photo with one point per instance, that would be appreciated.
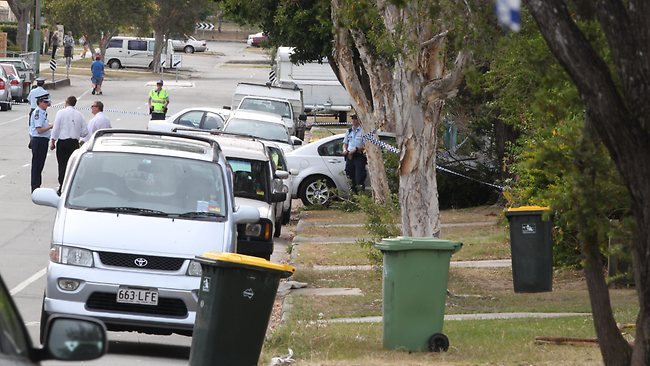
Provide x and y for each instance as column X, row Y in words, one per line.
column 508, row 14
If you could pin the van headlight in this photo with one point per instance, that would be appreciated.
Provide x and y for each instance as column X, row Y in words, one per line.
column 71, row 255
column 194, row 269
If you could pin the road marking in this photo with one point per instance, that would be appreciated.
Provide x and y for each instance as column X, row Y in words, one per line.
column 2, row 176
column 26, row 165
column 21, row 286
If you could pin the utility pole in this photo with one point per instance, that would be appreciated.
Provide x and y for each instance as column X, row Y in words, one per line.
column 36, row 37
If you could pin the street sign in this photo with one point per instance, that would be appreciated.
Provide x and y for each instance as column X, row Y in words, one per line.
column 205, row 26
column 177, row 60
column 162, row 59
column 53, row 65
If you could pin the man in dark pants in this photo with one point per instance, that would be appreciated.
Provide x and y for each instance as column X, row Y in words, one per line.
column 39, row 132
column 355, row 157
column 69, row 127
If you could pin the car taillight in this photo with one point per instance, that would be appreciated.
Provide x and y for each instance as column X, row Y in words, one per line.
column 14, row 82
column 2, row 85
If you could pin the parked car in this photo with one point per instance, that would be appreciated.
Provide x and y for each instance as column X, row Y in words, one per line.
column 257, row 39
column 189, row 44
column 154, row 201
column 25, row 69
column 256, row 183
column 322, row 169
column 16, row 348
column 280, row 163
column 268, row 126
column 203, row 118
column 5, row 91
column 18, row 92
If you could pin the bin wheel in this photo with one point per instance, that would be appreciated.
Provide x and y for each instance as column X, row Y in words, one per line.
column 438, row 343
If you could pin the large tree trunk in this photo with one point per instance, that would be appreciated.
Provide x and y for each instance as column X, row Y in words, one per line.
column 620, row 114
column 22, row 10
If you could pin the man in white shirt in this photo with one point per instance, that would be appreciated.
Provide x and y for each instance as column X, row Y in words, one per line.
column 69, row 127
column 98, row 122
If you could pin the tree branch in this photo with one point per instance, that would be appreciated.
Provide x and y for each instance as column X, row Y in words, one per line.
column 447, row 86
column 434, row 40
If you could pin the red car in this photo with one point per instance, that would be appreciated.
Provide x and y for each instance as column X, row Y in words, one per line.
column 256, row 40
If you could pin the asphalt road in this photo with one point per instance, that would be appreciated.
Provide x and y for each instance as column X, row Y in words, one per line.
column 25, row 228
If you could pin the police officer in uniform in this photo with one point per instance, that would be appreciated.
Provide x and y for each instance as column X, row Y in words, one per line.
column 158, row 101
column 355, row 157
column 37, row 92
column 40, row 132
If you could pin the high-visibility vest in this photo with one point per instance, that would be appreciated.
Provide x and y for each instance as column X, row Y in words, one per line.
column 158, row 99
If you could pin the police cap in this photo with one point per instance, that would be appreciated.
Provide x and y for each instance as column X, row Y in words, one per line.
column 159, row 82
column 40, row 81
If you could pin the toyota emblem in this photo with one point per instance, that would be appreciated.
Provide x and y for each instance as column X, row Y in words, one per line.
column 140, row 262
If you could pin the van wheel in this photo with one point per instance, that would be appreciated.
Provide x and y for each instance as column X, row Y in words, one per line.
column 114, row 64
column 188, row 49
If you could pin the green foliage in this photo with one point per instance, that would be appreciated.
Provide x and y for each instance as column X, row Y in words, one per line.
column 556, row 163
column 382, row 222
column 12, row 30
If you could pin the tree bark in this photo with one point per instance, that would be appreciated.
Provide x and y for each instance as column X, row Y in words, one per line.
column 620, row 116
column 22, row 9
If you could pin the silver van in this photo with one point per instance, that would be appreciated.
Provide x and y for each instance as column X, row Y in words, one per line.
column 134, row 52
column 135, row 209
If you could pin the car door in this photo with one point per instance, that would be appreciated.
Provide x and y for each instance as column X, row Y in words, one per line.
column 190, row 119
column 137, row 53
column 331, row 154
column 14, row 339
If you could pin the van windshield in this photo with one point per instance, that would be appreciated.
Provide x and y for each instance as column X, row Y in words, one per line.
column 143, row 184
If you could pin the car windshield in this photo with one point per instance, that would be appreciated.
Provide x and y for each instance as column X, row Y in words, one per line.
column 148, row 185
column 264, row 130
column 272, row 106
column 250, row 178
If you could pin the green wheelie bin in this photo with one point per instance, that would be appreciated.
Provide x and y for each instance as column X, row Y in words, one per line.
column 416, row 271
column 236, row 299
column 531, row 246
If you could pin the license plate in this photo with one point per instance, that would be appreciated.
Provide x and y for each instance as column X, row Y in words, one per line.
column 128, row 295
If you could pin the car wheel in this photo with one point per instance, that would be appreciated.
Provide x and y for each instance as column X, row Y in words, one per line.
column 277, row 229
column 4, row 106
column 114, row 64
column 44, row 317
column 188, row 49
column 316, row 190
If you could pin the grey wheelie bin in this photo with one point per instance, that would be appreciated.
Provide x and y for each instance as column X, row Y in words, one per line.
column 531, row 245
column 416, row 271
column 236, row 299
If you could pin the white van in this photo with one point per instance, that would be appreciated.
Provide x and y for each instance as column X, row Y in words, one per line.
column 134, row 52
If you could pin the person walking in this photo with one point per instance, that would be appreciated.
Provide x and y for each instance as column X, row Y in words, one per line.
column 98, row 122
column 39, row 132
column 355, row 157
column 69, row 127
column 158, row 101
column 97, row 77
column 68, row 47
column 84, row 42
column 55, row 43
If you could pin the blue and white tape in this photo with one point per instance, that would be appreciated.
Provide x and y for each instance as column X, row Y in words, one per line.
column 369, row 137
column 132, row 113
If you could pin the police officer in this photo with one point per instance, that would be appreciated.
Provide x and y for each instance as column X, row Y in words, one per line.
column 158, row 101
column 37, row 92
column 39, row 132
column 355, row 157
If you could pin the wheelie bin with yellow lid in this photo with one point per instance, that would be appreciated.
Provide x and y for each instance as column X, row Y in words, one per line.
column 235, row 302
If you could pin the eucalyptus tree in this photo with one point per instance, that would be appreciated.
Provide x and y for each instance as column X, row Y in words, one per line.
column 94, row 18
column 615, row 100
column 22, row 9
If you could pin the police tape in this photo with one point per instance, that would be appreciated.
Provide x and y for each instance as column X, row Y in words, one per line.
column 320, row 124
column 131, row 113
column 369, row 137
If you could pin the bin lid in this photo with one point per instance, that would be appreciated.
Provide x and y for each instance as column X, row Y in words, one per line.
column 247, row 260
column 421, row 243
column 525, row 210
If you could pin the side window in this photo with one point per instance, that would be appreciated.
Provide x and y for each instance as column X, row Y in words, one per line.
column 151, row 45
column 212, row 121
column 332, row 148
column 190, row 119
column 114, row 43
column 137, row 45
column 277, row 159
column 13, row 338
